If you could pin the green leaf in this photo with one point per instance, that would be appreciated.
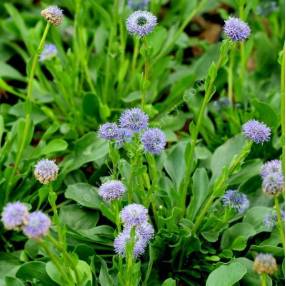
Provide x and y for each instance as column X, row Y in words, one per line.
column 104, row 276
column 266, row 113
column 174, row 164
column 88, row 148
column 236, row 236
column 7, row 71
column 12, row 281
column 169, row 282
column 226, row 275
column 36, row 270
column 224, row 154
column 91, row 105
column 77, row 217
column 84, row 194
column 255, row 216
column 56, row 145
column 199, row 192
column 54, row 273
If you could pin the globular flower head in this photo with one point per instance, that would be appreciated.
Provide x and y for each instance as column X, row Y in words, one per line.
column 112, row 190
column 124, row 135
column 265, row 263
column 134, row 214
column 53, row 14
column 124, row 238
column 138, row 4
column 146, row 230
column 133, row 119
column 14, row 215
column 38, row 225
column 236, row 29
column 273, row 183
column 141, row 23
column 50, row 51
column 256, row 131
column 270, row 220
column 273, row 166
column 108, row 131
column 154, row 140
column 235, row 200
column 46, row 171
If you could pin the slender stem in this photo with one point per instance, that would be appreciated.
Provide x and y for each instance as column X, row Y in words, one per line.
column 56, row 262
column 202, row 213
column 282, row 115
column 24, row 138
column 66, row 256
column 263, row 279
column 146, row 73
column 230, row 76
column 280, row 223
column 135, row 56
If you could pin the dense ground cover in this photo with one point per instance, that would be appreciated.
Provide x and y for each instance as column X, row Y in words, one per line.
column 142, row 148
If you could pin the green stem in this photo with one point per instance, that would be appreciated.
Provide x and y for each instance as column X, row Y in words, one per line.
column 282, row 115
column 174, row 39
column 280, row 223
column 135, row 56
column 230, row 76
column 263, row 279
column 66, row 255
column 146, row 73
column 56, row 262
column 220, row 184
column 24, row 137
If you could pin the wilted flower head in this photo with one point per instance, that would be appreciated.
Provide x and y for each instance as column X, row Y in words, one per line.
column 265, row 263
column 235, row 200
column 124, row 135
column 50, row 51
column 14, row 215
column 53, row 14
column 133, row 119
column 112, row 190
column 38, row 225
column 273, row 166
column 273, row 183
column 154, row 140
column 123, row 238
column 236, row 29
column 46, row 171
column 256, row 131
column 108, row 131
column 138, row 4
column 134, row 214
column 141, row 23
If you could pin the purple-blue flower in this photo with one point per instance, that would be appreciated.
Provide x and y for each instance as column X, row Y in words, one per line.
column 38, row 225
column 236, row 29
column 273, row 183
column 154, row 140
column 50, row 51
column 273, row 166
column 112, row 190
column 256, row 131
column 133, row 119
column 141, row 23
column 123, row 238
column 134, row 214
column 124, row 135
column 235, row 200
column 108, row 131
column 46, row 171
column 53, row 14
column 138, row 4
column 14, row 215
